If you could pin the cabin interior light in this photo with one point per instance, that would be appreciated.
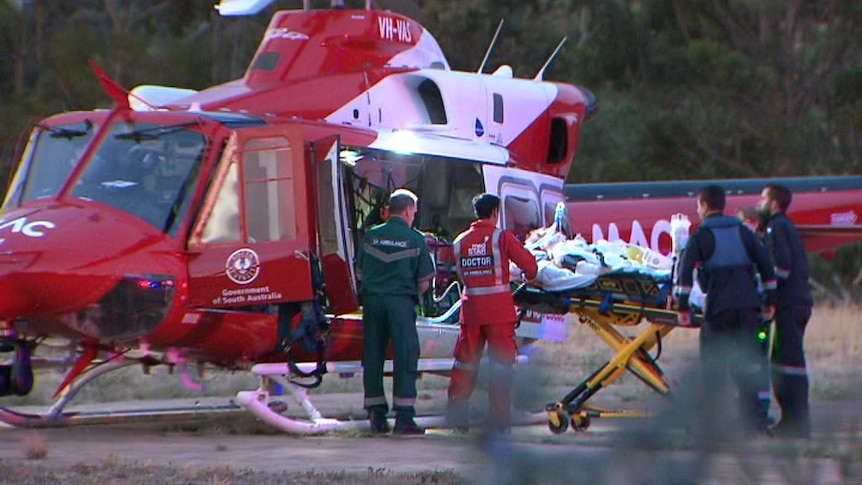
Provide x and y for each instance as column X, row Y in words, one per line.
column 349, row 157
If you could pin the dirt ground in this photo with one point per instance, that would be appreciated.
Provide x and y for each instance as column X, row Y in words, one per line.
column 232, row 448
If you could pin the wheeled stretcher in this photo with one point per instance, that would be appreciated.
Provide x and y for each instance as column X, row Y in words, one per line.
column 619, row 298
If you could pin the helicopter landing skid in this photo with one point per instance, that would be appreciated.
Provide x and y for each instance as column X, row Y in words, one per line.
column 257, row 401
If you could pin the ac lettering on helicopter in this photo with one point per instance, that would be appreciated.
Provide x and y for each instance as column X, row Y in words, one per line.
column 29, row 229
column 638, row 235
column 394, row 29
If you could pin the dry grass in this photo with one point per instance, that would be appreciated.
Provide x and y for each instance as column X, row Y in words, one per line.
column 834, row 336
column 833, row 346
column 116, row 472
column 36, row 447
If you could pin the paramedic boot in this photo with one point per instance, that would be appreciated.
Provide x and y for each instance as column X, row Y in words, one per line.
column 379, row 424
column 404, row 423
column 407, row 428
column 791, row 392
column 377, row 420
column 457, row 417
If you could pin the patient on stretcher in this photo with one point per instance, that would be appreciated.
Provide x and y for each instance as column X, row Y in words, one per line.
column 568, row 264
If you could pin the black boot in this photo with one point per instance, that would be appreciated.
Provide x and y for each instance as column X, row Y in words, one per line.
column 404, row 423
column 407, row 427
column 379, row 423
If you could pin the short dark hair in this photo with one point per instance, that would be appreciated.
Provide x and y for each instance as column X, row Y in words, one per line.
column 484, row 204
column 780, row 194
column 712, row 196
column 400, row 200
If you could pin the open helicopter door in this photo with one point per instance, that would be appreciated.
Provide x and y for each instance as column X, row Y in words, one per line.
column 527, row 202
column 334, row 233
column 251, row 243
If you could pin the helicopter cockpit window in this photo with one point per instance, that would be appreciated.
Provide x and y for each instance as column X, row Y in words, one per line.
column 146, row 170
column 50, row 156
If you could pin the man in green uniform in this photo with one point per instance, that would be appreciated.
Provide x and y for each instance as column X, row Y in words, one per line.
column 395, row 268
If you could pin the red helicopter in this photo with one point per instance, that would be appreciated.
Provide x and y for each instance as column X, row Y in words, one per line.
column 220, row 227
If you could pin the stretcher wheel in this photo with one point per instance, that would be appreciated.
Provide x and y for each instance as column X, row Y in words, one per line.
column 580, row 422
column 558, row 421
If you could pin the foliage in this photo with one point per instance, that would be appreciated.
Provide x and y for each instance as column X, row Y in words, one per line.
column 688, row 89
column 730, row 88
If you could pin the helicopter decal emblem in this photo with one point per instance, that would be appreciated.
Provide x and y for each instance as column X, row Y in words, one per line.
column 242, row 266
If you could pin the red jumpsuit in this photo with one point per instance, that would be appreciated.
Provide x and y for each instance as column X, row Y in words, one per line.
column 488, row 314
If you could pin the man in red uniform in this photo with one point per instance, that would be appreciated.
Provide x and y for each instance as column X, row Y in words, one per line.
column 488, row 312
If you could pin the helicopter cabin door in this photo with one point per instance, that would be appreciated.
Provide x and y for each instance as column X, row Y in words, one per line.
column 251, row 243
column 334, row 233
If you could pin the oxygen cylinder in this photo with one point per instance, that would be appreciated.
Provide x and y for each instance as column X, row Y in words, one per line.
column 560, row 217
column 679, row 229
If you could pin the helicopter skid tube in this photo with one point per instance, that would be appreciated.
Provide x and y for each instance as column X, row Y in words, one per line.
column 28, row 420
column 258, row 402
column 57, row 417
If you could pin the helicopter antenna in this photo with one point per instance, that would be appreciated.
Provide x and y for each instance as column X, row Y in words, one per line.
column 491, row 46
column 541, row 72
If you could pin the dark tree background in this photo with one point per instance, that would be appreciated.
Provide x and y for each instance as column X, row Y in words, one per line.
column 688, row 88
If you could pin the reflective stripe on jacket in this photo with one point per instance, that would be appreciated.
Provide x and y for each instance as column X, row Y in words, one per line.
column 482, row 256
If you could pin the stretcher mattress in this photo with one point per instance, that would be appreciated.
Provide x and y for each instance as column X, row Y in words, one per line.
column 629, row 287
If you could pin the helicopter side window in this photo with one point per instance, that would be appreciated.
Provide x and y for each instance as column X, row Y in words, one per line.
column 269, row 196
column 521, row 215
column 222, row 223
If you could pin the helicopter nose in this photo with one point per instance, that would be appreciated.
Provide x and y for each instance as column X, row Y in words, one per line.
column 85, row 271
column 30, row 289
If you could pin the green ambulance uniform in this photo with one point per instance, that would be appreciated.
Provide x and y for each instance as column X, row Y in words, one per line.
column 393, row 259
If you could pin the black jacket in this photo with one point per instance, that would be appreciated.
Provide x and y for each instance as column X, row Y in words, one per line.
column 726, row 254
column 791, row 262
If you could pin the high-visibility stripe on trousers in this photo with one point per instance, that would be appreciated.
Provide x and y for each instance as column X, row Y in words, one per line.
column 390, row 318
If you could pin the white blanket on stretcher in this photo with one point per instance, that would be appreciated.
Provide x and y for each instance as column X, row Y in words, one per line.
column 553, row 249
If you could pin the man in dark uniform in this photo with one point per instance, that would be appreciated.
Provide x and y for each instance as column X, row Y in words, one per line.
column 726, row 253
column 488, row 312
column 789, row 373
column 395, row 268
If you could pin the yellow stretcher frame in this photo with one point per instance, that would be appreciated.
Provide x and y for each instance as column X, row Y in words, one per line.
column 602, row 312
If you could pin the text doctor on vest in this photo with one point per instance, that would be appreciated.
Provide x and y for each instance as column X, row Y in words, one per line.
column 488, row 311
column 395, row 267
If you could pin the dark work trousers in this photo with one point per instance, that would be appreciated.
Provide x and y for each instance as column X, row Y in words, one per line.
column 390, row 318
column 789, row 373
column 732, row 363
